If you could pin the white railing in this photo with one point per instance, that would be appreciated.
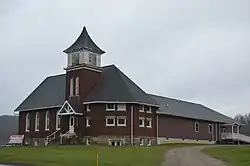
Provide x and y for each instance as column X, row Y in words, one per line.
column 51, row 137
column 235, row 136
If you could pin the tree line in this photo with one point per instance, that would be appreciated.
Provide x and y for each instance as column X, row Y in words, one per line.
column 243, row 118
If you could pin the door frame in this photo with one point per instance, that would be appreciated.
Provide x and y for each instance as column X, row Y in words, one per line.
column 71, row 125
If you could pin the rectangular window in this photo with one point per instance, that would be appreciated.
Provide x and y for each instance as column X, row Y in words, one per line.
column 224, row 130
column 141, row 121
column 149, row 142
column 141, row 109
column 121, row 107
column 71, row 90
column 92, row 59
column 209, row 128
column 110, row 107
column 149, row 122
column 149, row 110
column 75, row 58
column 110, row 121
column 87, row 108
column 196, row 126
column 87, row 122
column 121, row 121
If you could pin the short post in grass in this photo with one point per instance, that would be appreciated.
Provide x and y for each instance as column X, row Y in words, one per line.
column 97, row 159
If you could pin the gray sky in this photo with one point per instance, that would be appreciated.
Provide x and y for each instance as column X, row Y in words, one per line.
column 192, row 50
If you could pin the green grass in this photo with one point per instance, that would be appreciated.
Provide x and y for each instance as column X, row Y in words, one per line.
column 86, row 156
column 235, row 156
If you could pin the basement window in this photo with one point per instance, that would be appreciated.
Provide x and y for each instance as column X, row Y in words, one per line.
column 141, row 141
column 110, row 121
column 196, row 126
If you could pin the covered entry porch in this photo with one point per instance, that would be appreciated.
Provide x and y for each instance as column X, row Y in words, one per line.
column 69, row 120
column 231, row 134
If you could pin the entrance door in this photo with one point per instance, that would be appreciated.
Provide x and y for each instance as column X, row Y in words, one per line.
column 71, row 124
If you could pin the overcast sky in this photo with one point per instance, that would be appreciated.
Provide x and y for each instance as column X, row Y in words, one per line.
column 192, row 50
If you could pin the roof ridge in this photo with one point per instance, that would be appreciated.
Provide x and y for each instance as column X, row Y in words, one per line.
column 123, row 81
column 180, row 100
column 123, row 75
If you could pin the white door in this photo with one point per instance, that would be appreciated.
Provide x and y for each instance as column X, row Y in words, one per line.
column 71, row 124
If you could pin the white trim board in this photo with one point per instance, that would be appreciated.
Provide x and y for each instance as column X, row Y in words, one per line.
column 119, row 102
column 39, row 108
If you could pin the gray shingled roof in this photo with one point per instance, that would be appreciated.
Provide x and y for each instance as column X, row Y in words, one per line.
column 180, row 108
column 50, row 93
column 84, row 41
column 116, row 86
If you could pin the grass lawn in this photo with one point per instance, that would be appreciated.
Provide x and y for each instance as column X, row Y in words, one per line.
column 235, row 156
column 85, row 156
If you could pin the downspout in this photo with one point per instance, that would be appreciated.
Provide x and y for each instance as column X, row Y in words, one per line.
column 157, row 130
column 132, row 125
column 216, row 130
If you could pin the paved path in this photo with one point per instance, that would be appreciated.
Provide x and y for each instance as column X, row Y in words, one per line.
column 190, row 156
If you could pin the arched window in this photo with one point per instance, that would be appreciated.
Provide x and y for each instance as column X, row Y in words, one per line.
column 47, row 120
column 27, row 125
column 77, row 86
column 58, row 121
column 37, row 121
column 71, row 87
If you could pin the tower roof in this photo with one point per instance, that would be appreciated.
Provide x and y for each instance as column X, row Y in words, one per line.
column 84, row 42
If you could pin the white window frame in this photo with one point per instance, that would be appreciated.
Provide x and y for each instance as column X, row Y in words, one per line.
column 150, row 122
column 87, row 108
column 141, row 108
column 71, row 87
column 58, row 121
column 210, row 131
column 37, row 121
column 141, row 141
column 122, row 117
column 87, row 141
column 27, row 122
column 47, row 120
column 110, row 109
column 149, row 110
column 110, row 117
column 121, row 107
column 149, row 142
column 77, row 90
column 87, row 121
column 196, row 123
column 224, row 130
column 143, row 121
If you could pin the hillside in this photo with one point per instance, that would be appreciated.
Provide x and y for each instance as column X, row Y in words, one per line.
column 8, row 126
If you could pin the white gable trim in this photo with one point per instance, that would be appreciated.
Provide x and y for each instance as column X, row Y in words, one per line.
column 67, row 111
column 119, row 102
